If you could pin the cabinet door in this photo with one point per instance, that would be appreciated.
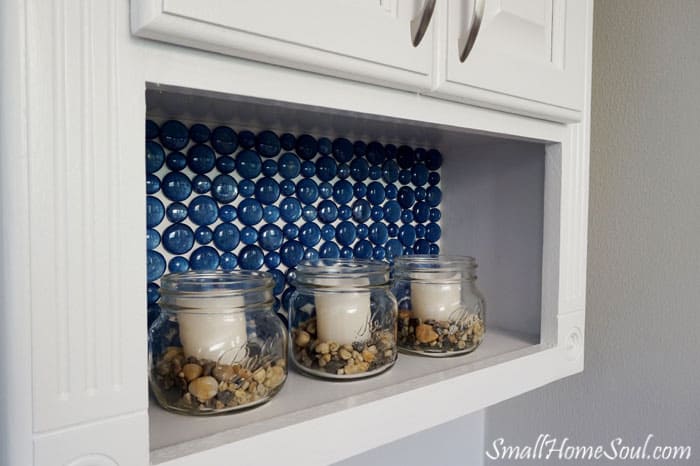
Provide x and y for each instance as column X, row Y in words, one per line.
column 368, row 40
column 527, row 54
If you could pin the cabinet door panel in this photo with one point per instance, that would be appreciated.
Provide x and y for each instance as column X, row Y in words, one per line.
column 359, row 39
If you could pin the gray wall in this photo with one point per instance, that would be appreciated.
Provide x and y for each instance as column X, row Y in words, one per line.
column 643, row 304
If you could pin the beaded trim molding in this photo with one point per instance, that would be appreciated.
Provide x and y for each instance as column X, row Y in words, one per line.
column 226, row 199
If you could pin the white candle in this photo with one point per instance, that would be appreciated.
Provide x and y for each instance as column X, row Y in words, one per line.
column 343, row 317
column 435, row 296
column 213, row 328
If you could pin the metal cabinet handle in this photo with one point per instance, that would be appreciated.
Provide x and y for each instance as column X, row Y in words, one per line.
column 420, row 23
column 466, row 43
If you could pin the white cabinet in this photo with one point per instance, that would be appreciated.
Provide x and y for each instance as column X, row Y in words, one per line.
column 526, row 54
column 369, row 40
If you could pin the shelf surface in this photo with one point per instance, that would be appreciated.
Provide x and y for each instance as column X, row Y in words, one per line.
column 304, row 399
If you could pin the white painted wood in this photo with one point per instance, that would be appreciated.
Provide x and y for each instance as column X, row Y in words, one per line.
column 528, row 56
column 368, row 40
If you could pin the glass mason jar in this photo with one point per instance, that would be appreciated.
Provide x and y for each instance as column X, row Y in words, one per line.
column 342, row 318
column 441, row 311
column 217, row 345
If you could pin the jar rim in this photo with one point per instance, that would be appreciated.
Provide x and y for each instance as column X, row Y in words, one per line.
column 215, row 283
column 341, row 273
column 434, row 263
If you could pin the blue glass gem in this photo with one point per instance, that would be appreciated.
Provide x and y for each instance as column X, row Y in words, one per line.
column 346, row 252
column 328, row 232
column 379, row 253
column 433, row 232
column 270, row 237
column 228, row 261
column 325, row 146
column 287, row 141
column 419, row 174
column 291, row 252
column 290, row 209
column 422, row 246
column 407, row 235
column 289, row 166
column 199, row 133
column 327, row 211
column 306, row 146
column 309, row 234
column 287, row 297
column 393, row 248
column 204, row 258
column 250, row 212
column 363, row 249
column 309, row 213
column 390, row 171
column 249, row 235
column 227, row 213
column 377, row 213
column 155, row 265
column 176, row 186
column 405, row 157
column 375, row 193
column 393, row 230
column 392, row 211
column 201, row 184
column 433, row 159
column 307, row 191
column 200, row 158
column 155, row 156
column 174, row 135
column 152, row 129
column 406, row 216
column 246, row 188
column 176, row 212
column 267, row 190
column 421, row 194
column 421, row 212
column 226, row 237
column 329, row 250
column 203, row 210
column 345, row 233
column 224, row 140
column 248, row 164
column 375, row 153
column 434, row 249
column 287, row 187
column 152, row 238
column 325, row 168
column 279, row 281
column 290, row 231
column 435, row 215
column 361, row 210
column 155, row 211
column 176, row 161
column 308, row 169
column 359, row 189
column 433, row 178
column 420, row 231
column 203, row 235
column 406, row 197
column 269, row 167
column 408, row 251
column 178, row 238
column 344, row 212
column 359, row 148
column 342, row 150
column 359, row 169
column 225, row 164
column 250, row 258
column 178, row 264
column 311, row 254
column 246, row 139
column 224, row 188
column 271, row 213
column 342, row 192
column 152, row 184
column 343, row 171
column 362, row 231
column 434, row 196
column 325, row 190
column 268, row 144
column 420, row 154
column 272, row 259
column 405, row 176
column 375, row 172
column 378, row 233
column 390, row 151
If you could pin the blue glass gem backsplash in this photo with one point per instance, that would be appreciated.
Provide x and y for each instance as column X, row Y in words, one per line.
column 224, row 198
